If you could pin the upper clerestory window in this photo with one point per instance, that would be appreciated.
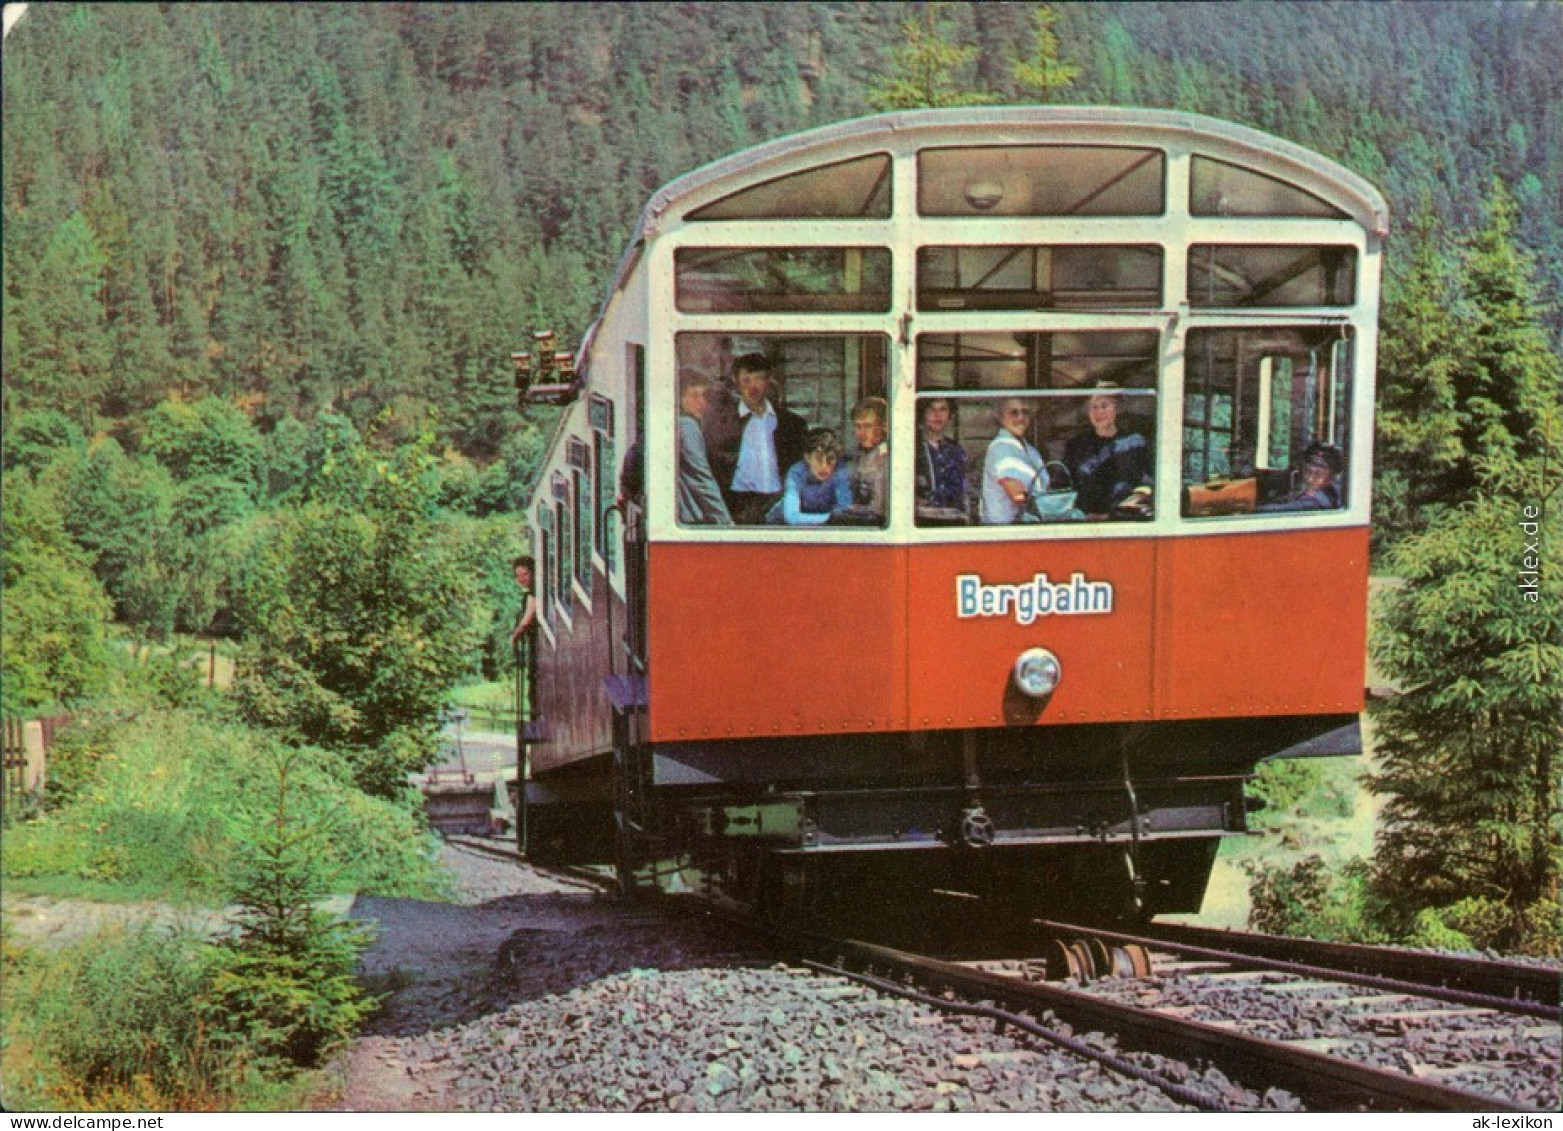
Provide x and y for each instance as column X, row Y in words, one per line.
column 1229, row 275
column 782, row 279
column 1219, row 189
column 1039, row 277
column 858, row 189
column 1041, row 180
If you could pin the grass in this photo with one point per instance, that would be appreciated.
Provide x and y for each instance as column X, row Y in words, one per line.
column 158, row 805
column 491, row 704
column 122, row 1020
column 168, row 805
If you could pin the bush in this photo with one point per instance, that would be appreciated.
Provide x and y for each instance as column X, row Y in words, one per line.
column 1311, row 900
column 112, row 1022
column 1305, row 787
column 1476, row 923
column 1283, row 784
column 154, row 1019
column 160, row 803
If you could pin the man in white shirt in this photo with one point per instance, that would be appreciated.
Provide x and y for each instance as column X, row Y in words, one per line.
column 766, row 441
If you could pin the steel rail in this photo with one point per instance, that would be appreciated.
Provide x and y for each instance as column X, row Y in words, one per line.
column 1509, row 986
column 1182, row 1093
column 579, row 875
column 1323, row 1082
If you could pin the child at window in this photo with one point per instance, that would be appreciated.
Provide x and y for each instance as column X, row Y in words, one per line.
column 814, row 487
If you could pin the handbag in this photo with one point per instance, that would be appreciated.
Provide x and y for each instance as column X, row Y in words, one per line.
column 1221, row 496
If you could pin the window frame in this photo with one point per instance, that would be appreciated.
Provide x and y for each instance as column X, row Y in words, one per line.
column 1342, row 339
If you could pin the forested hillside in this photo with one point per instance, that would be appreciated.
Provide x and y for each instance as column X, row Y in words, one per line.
column 309, row 207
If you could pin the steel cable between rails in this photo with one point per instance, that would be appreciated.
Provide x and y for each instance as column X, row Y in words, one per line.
column 1173, row 1090
column 1452, row 994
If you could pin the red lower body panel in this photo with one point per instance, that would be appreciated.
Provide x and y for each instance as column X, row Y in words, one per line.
column 751, row 640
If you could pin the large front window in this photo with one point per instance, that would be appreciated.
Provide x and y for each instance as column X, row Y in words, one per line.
column 1024, row 427
column 1266, row 420
column 782, row 429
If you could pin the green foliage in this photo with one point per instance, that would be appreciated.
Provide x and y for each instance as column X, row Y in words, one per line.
column 493, row 543
column 53, row 612
column 1045, row 73
column 1305, row 787
column 926, row 68
column 285, row 982
column 359, row 611
column 158, row 803
column 33, row 439
column 209, row 439
column 1469, row 752
column 161, row 1019
column 1417, row 445
column 1312, row 900
column 1466, row 370
column 1477, row 923
column 1285, row 783
column 114, row 1021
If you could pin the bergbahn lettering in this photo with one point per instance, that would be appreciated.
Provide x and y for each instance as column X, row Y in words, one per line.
column 1039, row 597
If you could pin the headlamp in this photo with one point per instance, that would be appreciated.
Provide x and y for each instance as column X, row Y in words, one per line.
column 1037, row 672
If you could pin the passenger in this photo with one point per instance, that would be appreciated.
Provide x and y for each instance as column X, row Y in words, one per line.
column 941, row 461
column 1013, row 469
column 756, row 439
column 632, row 476
column 816, row 486
column 1320, row 486
column 870, row 469
column 522, row 643
column 699, row 496
column 1108, row 465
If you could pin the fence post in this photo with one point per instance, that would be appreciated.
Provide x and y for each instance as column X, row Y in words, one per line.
column 35, row 765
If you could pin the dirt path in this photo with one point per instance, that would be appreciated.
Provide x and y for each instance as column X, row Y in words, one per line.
column 436, row 962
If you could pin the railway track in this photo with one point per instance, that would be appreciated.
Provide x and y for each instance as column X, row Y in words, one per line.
column 1325, row 1074
column 1507, row 987
column 1339, row 1027
column 585, row 876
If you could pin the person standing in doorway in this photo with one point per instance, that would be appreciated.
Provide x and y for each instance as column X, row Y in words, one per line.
column 522, row 638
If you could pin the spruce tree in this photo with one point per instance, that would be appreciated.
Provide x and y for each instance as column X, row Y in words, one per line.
column 1469, row 752
column 1417, row 448
column 1045, row 73
column 925, row 69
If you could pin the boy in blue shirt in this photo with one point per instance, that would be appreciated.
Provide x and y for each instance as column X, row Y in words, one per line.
column 814, row 487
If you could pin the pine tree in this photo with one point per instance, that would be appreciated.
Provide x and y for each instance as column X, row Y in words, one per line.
column 924, row 69
column 1417, row 449
column 1045, row 72
column 1470, row 750
column 1512, row 373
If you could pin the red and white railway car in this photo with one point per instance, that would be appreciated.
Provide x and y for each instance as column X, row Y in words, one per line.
column 1062, row 709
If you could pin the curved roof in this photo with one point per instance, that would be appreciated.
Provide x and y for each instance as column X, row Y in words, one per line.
column 1020, row 125
column 1032, row 124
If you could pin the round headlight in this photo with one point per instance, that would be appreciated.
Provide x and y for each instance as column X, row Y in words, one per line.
column 1037, row 672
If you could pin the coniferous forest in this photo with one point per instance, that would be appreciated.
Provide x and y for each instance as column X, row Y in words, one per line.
column 264, row 265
